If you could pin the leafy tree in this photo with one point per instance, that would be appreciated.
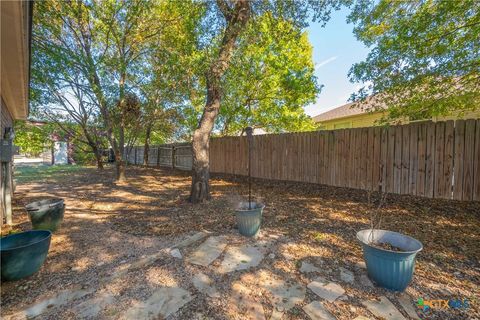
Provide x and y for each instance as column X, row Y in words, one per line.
column 61, row 86
column 31, row 137
column 109, row 45
column 227, row 22
column 60, row 96
column 425, row 57
column 271, row 80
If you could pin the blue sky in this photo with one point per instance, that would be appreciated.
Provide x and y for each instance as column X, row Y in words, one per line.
column 335, row 49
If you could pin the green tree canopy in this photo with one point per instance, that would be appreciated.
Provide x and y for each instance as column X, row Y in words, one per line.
column 270, row 81
column 32, row 138
column 112, row 63
column 425, row 57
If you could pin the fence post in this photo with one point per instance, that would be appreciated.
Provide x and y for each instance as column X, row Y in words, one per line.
column 158, row 156
column 135, row 148
column 173, row 157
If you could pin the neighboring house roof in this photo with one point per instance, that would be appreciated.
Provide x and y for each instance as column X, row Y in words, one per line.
column 347, row 110
column 15, row 55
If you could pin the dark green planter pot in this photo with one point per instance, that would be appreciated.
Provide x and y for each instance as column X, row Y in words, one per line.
column 390, row 269
column 249, row 220
column 46, row 214
column 23, row 253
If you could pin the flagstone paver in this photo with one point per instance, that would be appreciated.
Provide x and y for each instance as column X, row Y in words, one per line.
column 205, row 285
column 176, row 253
column 241, row 258
column 407, row 305
column 346, row 275
column 308, row 267
column 316, row 311
column 92, row 307
column 330, row 291
column 192, row 239
column 285, row 294
column 365, row 281
column 150, row 259
column 161, row 303
column 383, row 309
column 208, row 251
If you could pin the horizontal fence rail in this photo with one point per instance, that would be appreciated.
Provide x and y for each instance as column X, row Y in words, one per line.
column 428, row 159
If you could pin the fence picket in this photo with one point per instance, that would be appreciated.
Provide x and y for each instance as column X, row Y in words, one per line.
column 413, row 164
column 468, row 173
column 459, row 146
column 439, row 147
column 421, row 152
column 476, row 168
column 397, row 174
column 448, row 159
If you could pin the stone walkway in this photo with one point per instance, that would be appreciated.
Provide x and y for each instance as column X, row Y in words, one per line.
column 256, row 291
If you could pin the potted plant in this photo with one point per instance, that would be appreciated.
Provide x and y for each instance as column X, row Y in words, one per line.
column 249, row 213
column 389, row 256
column 22, row 254
column 46, row 214
column 249, row 218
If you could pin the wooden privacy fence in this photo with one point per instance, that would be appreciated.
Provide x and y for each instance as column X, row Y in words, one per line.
column 178, row 155
column 428, row 159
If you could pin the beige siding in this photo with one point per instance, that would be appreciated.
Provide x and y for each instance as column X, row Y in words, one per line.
column 6, row 121
column 357, row 121
column 5, row 118
column 468, row 115
column 15, row 56
column 371, row 119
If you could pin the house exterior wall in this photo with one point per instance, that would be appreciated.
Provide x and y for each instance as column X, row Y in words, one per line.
column 15, row 56
column 6, row 121
column 15, row 37
column 5, row 117
column 468, row 115
column 371, row 119
column 356, row 121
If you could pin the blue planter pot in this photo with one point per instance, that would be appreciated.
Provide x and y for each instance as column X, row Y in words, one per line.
column 249, row 220
column 389, row 269
column 23, row 253
column 46, row 214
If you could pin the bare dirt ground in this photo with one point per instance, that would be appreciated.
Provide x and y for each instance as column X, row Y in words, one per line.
column 107, row 225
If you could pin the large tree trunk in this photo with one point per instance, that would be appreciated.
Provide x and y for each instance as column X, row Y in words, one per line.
column 94, row 146
column 120, row 168
column 146, row 148
column 121, row 130
column 200, row 190
column 99, row 162
column 119, row 156
column 98, row 157
column 236, row 18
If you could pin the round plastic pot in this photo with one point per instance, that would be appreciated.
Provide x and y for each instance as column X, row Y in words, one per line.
column 249, row 220
column 23, row 253
column 46, row 214
column 389, row 269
